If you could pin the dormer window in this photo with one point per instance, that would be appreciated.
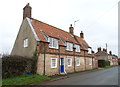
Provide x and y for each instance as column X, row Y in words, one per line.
column 69, row 46
column 85, row 46
column 25, row 42
column 53, row 43
column 46, row 36
column 89, row 50
column 77, row 48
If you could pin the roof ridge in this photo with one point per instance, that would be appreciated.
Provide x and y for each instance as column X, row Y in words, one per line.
column 50, row 25
column 70, row 38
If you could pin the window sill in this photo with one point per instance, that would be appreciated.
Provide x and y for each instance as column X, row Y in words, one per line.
column 77, row 65
column 77, row 51
column 53, row 47
column 69, row 65
column 26, row 47
column 69, row 50
column 53, row 67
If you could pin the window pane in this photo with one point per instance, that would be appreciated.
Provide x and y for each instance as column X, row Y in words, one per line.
column 69, row 62
column 53, row 63
column 55, row 43
column 77, row 48
column 69, row 46
column 51, row 41
column 26, row 43
column 77, row 62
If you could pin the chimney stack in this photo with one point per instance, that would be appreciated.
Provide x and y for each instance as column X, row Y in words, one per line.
column 104, row 50
column 27, row 11
column 92, row 51
column 71, row 29
column 82, row 35
column 110, row 52
column 99, row 49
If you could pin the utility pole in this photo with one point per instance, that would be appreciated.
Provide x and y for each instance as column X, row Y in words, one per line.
column 106, row 46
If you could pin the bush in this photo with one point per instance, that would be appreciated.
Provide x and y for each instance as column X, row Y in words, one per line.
column 118, row 61
column 103, row 63
column 17, row 65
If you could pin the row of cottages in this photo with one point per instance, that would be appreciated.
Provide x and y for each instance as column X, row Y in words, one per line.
column 58, row 51
column 103, row 55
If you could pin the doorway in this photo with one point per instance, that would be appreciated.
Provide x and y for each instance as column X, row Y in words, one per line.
column 62, row 67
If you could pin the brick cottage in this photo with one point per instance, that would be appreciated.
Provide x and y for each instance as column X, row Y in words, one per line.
column 58, row 51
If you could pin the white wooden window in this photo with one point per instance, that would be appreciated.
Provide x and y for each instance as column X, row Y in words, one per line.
column 53, row 43
column 77, row 48
column 46, row 36
column 25, row 42
column 69, row 46
column 53, row 62
column 77, row 62
column 69, row 61
column 90, row 61
column 89, row 50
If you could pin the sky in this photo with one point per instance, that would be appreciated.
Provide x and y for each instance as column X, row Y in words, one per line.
column 98, row 19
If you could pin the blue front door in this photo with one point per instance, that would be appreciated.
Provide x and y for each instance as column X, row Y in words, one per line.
column 62, row 65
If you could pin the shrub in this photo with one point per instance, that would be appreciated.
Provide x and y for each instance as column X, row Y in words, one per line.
column 118, row 61
column 17, row 65
column 103, row 63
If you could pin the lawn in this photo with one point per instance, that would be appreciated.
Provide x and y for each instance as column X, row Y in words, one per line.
column 107, row 67
column 25, row 79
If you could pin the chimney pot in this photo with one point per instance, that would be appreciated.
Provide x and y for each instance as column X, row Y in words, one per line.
column 82, row 35
column 104, row 50
column 99, row 49
column 110, row 52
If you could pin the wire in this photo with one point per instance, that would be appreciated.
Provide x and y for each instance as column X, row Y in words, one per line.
column 102, row 15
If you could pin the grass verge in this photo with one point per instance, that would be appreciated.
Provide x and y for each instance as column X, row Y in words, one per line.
column 25, row 79
column 107, row 67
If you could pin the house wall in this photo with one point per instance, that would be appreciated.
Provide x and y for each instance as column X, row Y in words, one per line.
column 95, row 63
column 24, row 32
column 82, row 64
column 88, row 63
column 69, row 69
column 48, row 53
column 115, row 61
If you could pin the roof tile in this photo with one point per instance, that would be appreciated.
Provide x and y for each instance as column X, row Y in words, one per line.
column 52, row 31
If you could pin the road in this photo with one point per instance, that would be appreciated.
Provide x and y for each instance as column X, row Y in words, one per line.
column 100, row 77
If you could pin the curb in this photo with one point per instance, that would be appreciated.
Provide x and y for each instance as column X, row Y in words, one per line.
column 64, row 77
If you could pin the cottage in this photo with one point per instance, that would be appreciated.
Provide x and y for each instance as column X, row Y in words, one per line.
column 103, row 55
column 58, row 51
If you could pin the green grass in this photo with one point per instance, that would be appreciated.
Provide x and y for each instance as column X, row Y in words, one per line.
column 25, row 79
column 107, row 67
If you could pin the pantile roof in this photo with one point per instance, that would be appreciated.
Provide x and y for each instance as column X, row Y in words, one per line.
column 41, row 27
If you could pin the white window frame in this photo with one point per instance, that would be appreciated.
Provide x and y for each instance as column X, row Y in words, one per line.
column 55, row 63
column 77, row 59
column 70, row 62
column 77, row 48
column 69, row 46
column 89, row 50
column 53, row 42
column 25, row 42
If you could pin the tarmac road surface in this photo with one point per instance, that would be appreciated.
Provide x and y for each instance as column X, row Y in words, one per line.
column 101, row 77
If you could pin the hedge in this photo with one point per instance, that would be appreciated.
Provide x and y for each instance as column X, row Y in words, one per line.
column 103, row 63
column 16, row 65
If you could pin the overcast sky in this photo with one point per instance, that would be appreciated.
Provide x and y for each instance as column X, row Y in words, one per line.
column 98, row 19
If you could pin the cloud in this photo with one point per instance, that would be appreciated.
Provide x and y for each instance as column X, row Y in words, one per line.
column 97, row 19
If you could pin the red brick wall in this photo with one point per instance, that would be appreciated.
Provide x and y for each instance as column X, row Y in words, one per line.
column 58, row 53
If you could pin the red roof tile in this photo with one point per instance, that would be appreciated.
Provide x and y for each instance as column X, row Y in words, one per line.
column 52, row 31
